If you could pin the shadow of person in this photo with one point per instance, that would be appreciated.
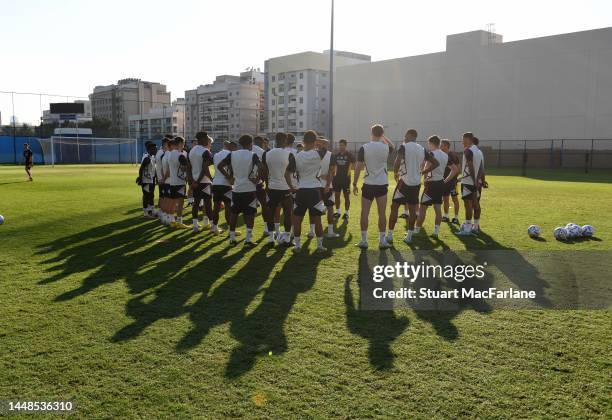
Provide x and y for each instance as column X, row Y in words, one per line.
column 379, row 327
column 263, row 330
column 229, row 301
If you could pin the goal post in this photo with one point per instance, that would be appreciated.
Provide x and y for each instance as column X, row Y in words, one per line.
column 89, row 150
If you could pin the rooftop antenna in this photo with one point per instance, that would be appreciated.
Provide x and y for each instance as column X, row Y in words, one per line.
column 490, row 33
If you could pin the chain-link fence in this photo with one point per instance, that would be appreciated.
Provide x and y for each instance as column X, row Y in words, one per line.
column 535, row 153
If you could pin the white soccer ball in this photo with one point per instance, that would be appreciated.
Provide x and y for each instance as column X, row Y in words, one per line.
column 573, row 230
column 1, row 219
column 561, row 234
column 587, row 231
column 465, row 227
column 533, row 231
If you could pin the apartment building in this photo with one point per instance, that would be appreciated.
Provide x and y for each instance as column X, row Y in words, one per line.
column 297, row 90
column 228, row 107
column 158, row 121
column 128, row 97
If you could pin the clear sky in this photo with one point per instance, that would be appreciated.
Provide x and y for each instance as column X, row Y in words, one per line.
column 69, row 46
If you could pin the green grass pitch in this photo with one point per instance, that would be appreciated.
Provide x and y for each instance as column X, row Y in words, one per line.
column 130, row 319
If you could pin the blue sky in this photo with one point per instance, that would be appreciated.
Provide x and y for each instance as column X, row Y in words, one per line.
column 69, row 46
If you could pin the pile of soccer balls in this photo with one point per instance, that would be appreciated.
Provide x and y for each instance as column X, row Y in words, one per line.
column 570, row 231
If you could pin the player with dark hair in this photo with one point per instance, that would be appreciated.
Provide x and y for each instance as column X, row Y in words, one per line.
column 326, row 175
column 411, row 135
column 159, row 175
column 177, row 168
column 470, row 167
column 433, row 171
column 299, row 147
column 258, row 149
column 200, row 179
column 308, row 196
column 221, row 188
column 373, row 158
column 450, row 181
column 342, row 179
column 28, row 160
column 280, row 185
column 243, row 168
column 407, row 172
column 146, row 180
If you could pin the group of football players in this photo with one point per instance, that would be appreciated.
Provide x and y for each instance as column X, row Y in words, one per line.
column 293, row 180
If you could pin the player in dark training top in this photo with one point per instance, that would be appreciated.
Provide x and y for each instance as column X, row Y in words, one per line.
column 28, row 160
column 451, row 185
column 342, row 180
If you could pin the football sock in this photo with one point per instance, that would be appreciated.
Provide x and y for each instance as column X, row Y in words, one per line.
column 417, row 229
column 381, row 237
column 436, row 229
column 205, row 221
column 298, row 242
column 446, row 215
column 390, row 234
column 364, row 235
column 214, row 228
column 232, row 235
column 312, row 228
column 179, row 220
column 330, row 229
column 319, row 242
column 195, row 222
column 277, row 229
column 409, row 235
column 477, row 221
column 249, row 234
column 270, row 236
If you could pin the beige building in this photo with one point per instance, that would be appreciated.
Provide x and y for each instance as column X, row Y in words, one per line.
column 128, row 97
column 159, row 121
column 297, row 90
column 226, row 108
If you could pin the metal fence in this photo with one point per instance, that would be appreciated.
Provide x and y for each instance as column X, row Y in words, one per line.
column 535, row 153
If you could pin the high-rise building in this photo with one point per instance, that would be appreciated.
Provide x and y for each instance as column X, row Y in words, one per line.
column 128, row 97
column 226, row 108
column 297, row 90
column 159, row 121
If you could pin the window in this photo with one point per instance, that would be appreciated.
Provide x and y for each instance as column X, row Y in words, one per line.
column 230, row 94
column 322, row 99
column 323, row 74
column 281, row 124
column 281, row 100
column 301, row 99
column 273, row 78
column 301, row 124
column 301, row 112
column 237, row 93
column 301, row 75
column 273, row 91
column 323, row 86
column 301, row 88
column 273, row 102
column 273, row 126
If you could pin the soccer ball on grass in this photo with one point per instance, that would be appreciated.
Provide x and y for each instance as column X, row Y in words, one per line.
column 561, row 234
column 533, row 231
column 573, row 230
column 587, row 231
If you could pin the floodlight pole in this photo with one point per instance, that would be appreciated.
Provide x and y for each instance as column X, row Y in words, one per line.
column 331, row 79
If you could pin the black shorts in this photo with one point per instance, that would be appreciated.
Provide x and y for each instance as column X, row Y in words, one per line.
column 203, row 191
column 244, row 202
column 222, row 193
column 370, row 192
column 328, row 197
column 342, row 184
column 308, row 200
column 29, row 165
column 163, row 190
column 469, row 192
column 148, row 188
column 451, row 188
column 261, row 193
column 432, row 192
column 406, row 194
column 177, row 191
column 275, row 197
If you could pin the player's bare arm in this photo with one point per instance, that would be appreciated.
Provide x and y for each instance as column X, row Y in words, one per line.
column 358, row 167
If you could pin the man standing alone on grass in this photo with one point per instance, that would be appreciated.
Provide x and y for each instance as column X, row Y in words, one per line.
column 342, row 180
column 373, row 157
column 240, row 167
column 470, row 167
column 450, row 180
column 200, row 179
column 146, row 180
column 28, row 160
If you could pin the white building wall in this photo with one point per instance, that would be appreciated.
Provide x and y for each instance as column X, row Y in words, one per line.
column 557, row 87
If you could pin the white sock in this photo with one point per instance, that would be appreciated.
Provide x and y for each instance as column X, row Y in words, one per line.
column 249, row 234
column 409, row 235
column 364, row 236
column 270, row 236
column 477, row 221
column 232, row 235
column 266, row 229
column 214, row 228
column 312, row 228
column 381, row 237
column 298, row 242
column 145, row 210
column 277, row 229
column 436, row 229
column 319, row 242
column 330, row 229
column 417, row 229
column 346, row 212
column 446, row 215
column 205, row 221
column 195, row 222
column 190, row 200
column 179, row 219
column 390, row 234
